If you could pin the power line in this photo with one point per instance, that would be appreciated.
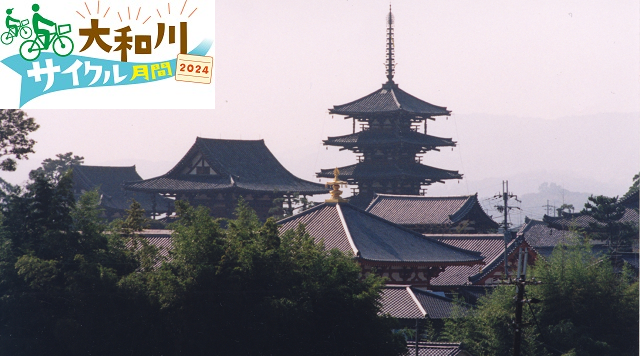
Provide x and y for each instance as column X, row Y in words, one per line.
column 505, row 209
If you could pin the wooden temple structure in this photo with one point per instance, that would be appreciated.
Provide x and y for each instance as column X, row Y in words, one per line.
column 215, row 173
column 434, row 215
column 390, row 140
column 403, row 256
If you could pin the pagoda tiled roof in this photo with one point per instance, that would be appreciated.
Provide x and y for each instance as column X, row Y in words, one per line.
column 491, row 248
column 426, row 210
column 109, row 180
column 364, row 170
column 238, row 164
column 381, row 138
column 371, row 238
column 407, row 302
column 389, row 99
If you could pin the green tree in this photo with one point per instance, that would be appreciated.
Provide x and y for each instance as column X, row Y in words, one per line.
column 607, row 212
column 585, row 309
column 15, row 127
column 55, row 168
column 634, row 186
column 248, row 290
column 60, row 277
column 565, row 207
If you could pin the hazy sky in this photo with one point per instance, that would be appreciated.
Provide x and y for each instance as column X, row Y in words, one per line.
column 545, row 90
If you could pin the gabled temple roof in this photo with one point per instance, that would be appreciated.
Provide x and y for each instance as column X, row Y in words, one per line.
column 242, row 164
column 389, row 100
column 538, row 234
column 490, row 246
column 544, row 238
column 371, row 238
column 109, row 180
column 366, row 170
column 425, row 210
column 380, row 138
column 407, row 302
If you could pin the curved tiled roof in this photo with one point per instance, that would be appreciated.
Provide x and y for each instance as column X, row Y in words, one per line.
column 371, row 238
column 406, row 302
column 538, row 234
column 425, row 210
column 242, row 164
column 365, row 170
column 580, row 220
column 379, row 138
column 389, row 99
column 490, row 247
column 109, row 180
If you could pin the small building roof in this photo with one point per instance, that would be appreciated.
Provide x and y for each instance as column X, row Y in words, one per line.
column 426, row 210
column 109, row 180
column 381, row 138
column 241, row 164
column 436, row 349
column 407, row 302
column 544, row 238
column 392, row 170
column 491, row 248
column 579, row 220
column 371, row 238
column 390, row 99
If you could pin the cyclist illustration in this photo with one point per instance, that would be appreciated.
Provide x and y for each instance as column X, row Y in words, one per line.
column 15, row 27
column 36, row 23
column 8, row 22
column 62, row 45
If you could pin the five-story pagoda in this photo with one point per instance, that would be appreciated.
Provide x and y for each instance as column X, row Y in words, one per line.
column 389, row 141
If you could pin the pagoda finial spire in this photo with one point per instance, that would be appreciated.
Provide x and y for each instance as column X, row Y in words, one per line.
column 390, row 60
column 336, row 192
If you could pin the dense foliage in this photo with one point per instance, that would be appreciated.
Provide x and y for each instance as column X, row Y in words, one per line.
column 15, row 127
column 607, row 212
column 55, row 168
column 585, row 309
column 69, row 285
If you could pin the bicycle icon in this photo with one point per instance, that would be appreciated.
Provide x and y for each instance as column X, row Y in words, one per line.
column 62, row 45
column 22, row 29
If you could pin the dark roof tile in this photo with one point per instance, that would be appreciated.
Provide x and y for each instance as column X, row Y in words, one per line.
column 374, row 239
column 389, row 99
column 381, row 138
column 242, row 164
column 109, row 180
column 391, row 170
column 436, row 349
column 406, row 302
column 412, row 210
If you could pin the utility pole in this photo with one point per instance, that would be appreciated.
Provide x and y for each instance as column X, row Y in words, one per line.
column 520, row 283
column 548, row 206
column 505, row 224
column 417, row 335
